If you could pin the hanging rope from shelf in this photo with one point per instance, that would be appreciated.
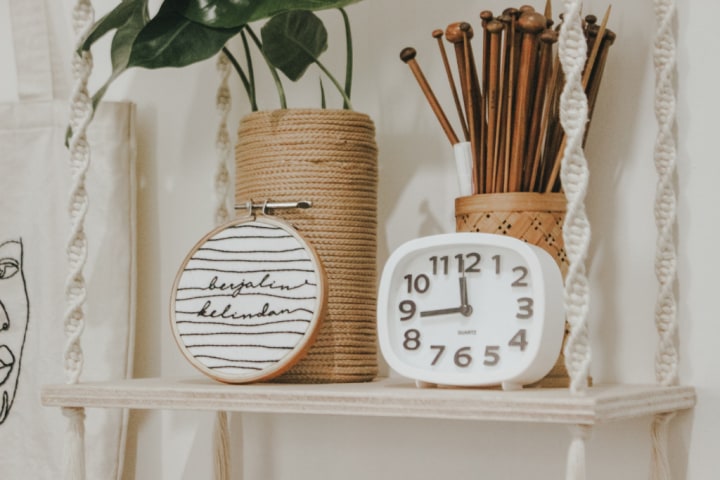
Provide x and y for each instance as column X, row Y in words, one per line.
column 665, row 155
column 75, row 290
column 223, row 146
column 574, row 174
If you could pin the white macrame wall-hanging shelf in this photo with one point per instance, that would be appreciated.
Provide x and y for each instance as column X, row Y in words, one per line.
column 580, row 407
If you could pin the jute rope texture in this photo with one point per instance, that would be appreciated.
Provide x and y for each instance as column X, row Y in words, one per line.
column 574, row 175
column 330, row 158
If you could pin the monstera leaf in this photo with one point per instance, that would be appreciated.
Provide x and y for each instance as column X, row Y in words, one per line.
column 233, row 13
column 293, row 41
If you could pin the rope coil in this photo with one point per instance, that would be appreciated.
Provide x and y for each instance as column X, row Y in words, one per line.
column 330, row 158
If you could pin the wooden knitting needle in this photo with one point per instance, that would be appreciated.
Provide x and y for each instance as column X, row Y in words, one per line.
column 494, row 28
column 548, row 10
column 438, row 34
column 476, row 111
column 501, row 138
column 541, row 108
column 593, row 86
column 471, row 112
column 454, row 35
column 512, row 38
column 407, row 55
column 530, row 24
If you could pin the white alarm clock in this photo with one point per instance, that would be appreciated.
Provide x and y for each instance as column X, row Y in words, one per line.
column 471, row 309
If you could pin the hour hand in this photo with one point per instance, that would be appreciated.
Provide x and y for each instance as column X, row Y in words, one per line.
column 463, row 292
column 442, row 311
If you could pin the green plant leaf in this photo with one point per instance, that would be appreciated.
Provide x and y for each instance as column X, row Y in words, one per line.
column 117, row 18
column 128, row 19
column 292, row 41
column 233, row 13
column 171, row 40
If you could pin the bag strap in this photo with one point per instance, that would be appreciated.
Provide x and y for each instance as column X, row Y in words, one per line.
column 39, row 68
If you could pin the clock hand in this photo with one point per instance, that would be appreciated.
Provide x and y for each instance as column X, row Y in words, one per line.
column 442, row 311
column 463, row 291
column 465, row 307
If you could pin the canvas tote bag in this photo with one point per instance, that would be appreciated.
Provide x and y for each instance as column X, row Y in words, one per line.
column 35, row 182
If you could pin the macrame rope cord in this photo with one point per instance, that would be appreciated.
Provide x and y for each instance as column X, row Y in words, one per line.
column 666, row 361
column 75, row 291
column 665, row 156
column 80, row 116
column 223, row 145
column 574, row 175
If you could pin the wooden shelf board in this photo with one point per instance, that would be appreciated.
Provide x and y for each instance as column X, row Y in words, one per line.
column 383, row 397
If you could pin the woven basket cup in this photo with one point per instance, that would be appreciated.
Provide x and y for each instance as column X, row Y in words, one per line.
column 328, row 157
column 536, row 218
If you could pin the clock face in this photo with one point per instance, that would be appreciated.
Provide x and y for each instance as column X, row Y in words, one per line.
column 248, row 301
column 471, row 309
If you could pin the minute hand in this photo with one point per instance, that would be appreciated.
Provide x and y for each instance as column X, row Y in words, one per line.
column 442, row 311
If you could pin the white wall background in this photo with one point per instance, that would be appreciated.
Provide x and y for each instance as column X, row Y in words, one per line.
column 176, row 127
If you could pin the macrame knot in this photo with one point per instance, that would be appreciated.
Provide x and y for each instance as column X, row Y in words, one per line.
column 576, row 464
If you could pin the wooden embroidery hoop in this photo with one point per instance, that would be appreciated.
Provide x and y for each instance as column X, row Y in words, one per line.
column 301, row 347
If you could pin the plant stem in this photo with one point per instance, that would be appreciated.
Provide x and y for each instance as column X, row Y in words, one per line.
column 346, row 99
column 348, row 56
column 243, row 78
column 323, row 103
column 273, row 71
column 251, row 72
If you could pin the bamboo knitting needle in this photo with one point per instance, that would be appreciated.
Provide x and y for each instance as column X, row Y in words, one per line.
column 476, row 107
column 438, row 34
column 501, row 140
column 530, row 25
column 538, row 130
column 407, row 55
column 494, row 28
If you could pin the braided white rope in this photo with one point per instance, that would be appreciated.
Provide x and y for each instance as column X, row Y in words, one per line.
column 666, row 360
column 574, row 175
column 666, row 357
column 80, row 116
column 75, row 292
column 221, row 440
column 222, row 143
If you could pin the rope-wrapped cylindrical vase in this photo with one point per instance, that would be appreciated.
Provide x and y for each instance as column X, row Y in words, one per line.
column 328, row 157
column 536, row 218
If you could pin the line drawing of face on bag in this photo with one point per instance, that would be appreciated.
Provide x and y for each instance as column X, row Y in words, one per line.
column 14, row 314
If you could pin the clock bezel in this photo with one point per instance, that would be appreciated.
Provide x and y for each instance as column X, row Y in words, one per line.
column 547, row 292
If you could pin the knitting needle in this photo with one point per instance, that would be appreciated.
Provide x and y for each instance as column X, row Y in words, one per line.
column 438, row 34
column 500, row 137
column 538, row 129
column 407, row 55
column 512, row 39
column 475, row 112
column 548, row 10
column 530, row 24
column 494, row 28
